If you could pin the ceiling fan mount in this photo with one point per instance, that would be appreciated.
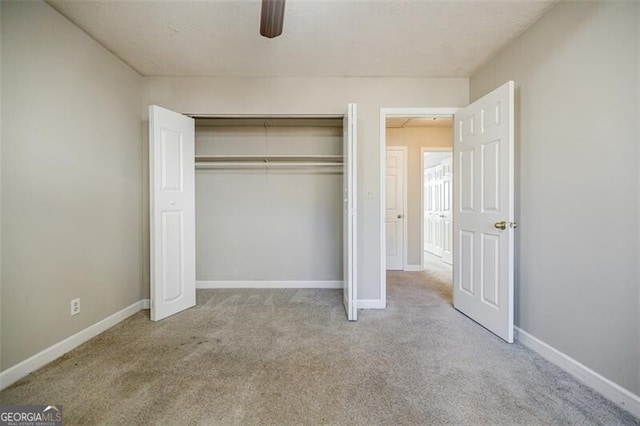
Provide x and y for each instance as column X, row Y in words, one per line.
column 272, row 18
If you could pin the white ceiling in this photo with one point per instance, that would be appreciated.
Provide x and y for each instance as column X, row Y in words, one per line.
column 332, row 38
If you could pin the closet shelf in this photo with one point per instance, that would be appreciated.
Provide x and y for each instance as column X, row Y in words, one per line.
column 268, row 159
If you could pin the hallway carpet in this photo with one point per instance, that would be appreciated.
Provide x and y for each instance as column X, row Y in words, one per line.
column 290, row 357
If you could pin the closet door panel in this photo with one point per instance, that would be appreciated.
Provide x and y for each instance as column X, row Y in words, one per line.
column 172, row 212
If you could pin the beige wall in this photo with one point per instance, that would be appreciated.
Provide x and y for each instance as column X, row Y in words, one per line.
column 415, row 138
column 265, row 96
column 71, row 180
column 577, row 164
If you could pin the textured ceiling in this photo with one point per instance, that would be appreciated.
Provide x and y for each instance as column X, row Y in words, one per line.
column 321, row 38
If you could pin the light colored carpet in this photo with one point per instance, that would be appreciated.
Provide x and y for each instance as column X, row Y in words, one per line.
column 290, row 357
column 437, row 270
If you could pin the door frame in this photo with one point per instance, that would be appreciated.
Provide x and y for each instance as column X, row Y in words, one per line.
column 405, row 174
column 395, row 112
column 423, row 151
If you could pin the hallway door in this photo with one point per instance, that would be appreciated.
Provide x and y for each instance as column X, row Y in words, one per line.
column 483, row 217
column 433, row 212
column 395, row 214
column 446, row 212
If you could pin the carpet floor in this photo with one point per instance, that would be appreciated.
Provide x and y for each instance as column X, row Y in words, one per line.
column 290, row 357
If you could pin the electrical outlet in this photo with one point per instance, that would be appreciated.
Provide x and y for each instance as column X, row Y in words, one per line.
column 75, row 306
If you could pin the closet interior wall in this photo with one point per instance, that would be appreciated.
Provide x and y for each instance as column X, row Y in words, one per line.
column 269, row 199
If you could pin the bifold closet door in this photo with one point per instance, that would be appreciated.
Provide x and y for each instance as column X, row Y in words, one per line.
column 349, row 223
column 172, row 212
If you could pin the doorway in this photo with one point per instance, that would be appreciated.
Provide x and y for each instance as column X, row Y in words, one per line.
column 411, row 131
column 483, row 220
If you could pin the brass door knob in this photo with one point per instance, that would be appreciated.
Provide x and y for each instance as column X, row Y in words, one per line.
column 501, row 225
column 399, row 216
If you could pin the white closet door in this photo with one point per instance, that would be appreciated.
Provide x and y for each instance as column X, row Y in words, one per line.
column 349, row 250
column 483, row 211
column 172, row 212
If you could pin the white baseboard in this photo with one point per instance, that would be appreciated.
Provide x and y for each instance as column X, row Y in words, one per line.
column 370, row 304
column 413, row 268
column 18, row 371
column 267, row 284
column 610, row 390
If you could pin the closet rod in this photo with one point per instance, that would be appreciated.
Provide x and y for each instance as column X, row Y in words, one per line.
column 264, row 164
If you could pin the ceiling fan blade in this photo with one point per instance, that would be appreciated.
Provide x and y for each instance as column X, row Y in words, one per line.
column 272, row 18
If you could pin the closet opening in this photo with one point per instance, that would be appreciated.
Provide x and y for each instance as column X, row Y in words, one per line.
column 269, row 202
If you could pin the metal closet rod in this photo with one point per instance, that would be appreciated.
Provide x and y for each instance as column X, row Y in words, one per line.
column 269, row 157
column 261, row 164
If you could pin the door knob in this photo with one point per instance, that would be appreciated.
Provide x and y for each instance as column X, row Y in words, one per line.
column 399, row 216
column 501, row 225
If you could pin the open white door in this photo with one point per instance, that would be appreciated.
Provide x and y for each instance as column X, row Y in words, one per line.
column 349, row 214
column 172, row 212
column 483, row 222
